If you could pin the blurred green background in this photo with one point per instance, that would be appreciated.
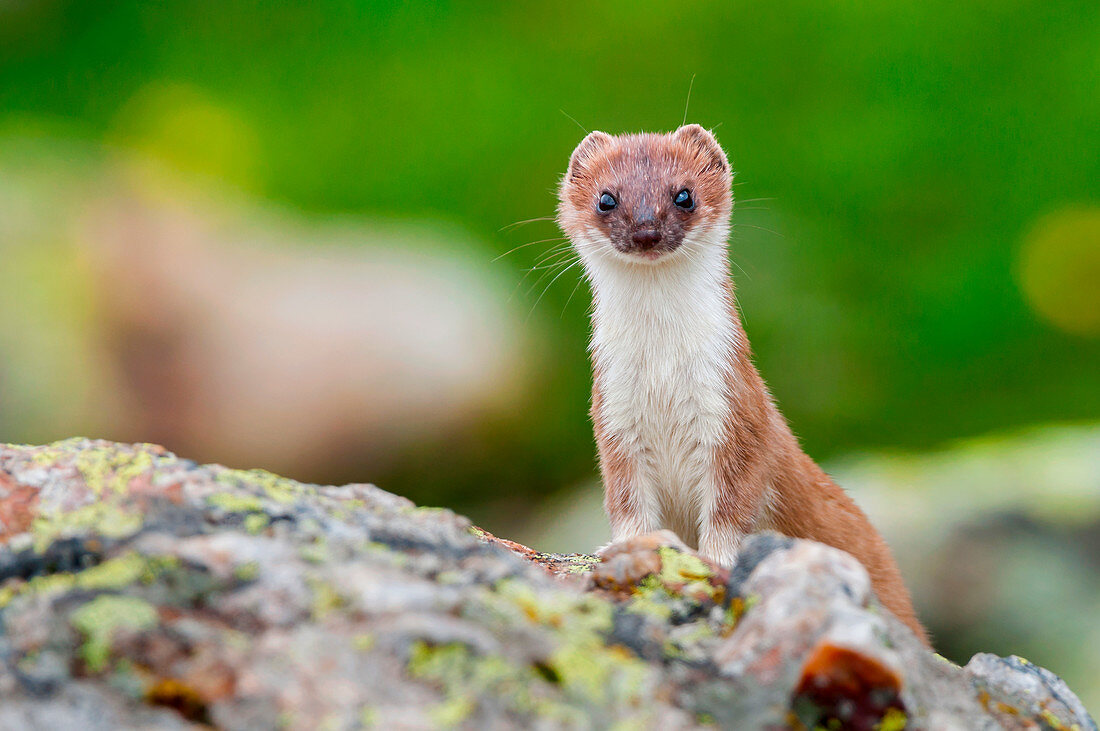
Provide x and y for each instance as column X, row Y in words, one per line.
column 917, row 256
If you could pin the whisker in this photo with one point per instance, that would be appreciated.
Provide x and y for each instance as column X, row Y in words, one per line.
column 570, row 298
column 553, row 253
column 762, row 228
column 530, row 243
column 526, row 221
column 550, row 272
column 574, row 121
column 551, row 284
column 732, row 261
column 688, row 102
column 547, row 264
column 542, row 264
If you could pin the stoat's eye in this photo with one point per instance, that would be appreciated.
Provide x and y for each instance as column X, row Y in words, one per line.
column 607, row 203
column 684, row 200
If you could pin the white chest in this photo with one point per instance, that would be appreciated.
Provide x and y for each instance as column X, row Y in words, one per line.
column 661, row 346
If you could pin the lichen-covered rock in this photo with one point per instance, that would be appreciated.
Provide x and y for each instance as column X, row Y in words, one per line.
column 142, row 590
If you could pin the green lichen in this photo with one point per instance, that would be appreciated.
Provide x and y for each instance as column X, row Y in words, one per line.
column 113, row 574
column 325, row 599
column 463, row 676
column 634, row 723
column 541, row 691
column 105, row 468
column 234, row 503
column 247, row 571
column 1052, row 721
column 582, row 563
column 344, row 509
column 451, row 578
column 585, row 666
column 316, row 552
column 38, row 586
column 585, row 614
column 893, row 720
column 99, row 619
column 58, row 451
column 279, row 489
column 691, row 636
column 452, row 712
column 363, row 642
column 256, row 523
column 681, row 577
column 582, row 676
column 595, row 673
column 102, row 518
column 686, row 574
column 110, row 469
column 650, row 598
column 429, row 511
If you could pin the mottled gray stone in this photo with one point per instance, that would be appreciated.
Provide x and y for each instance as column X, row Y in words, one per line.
column 138, row 590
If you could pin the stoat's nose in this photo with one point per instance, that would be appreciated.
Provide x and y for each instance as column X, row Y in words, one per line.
column 646, row 238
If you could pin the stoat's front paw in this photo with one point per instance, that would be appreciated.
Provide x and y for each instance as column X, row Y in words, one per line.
column 642, row 542
column 629, row 560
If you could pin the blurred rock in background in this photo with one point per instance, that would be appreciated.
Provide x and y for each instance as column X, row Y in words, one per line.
column 243, row 335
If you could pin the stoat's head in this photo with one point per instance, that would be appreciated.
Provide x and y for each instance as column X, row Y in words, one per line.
column 638, row 198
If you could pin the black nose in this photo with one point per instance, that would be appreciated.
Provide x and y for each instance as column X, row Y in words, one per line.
column 646, row 238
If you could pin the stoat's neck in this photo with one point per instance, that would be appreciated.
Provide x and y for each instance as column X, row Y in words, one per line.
column 682, row 306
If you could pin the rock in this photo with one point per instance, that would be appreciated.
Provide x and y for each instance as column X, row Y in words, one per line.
column 141, row 590
column 1007, row 683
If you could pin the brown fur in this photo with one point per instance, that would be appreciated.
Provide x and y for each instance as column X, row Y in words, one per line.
column 762, row 453
column 618, row 499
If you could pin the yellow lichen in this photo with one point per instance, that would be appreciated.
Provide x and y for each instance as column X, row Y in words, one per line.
column 279, row 489
column 452, row 712
column 234, row 503
column 102, row 518
column 893, row 720
column 325, row 599
column 110, row 469
column 99, row 619
column 256, row 523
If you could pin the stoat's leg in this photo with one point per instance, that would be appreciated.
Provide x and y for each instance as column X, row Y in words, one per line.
column 721, row 526
column 626, row 503
column 627, row 511
column 720, row 543
column 625, row 500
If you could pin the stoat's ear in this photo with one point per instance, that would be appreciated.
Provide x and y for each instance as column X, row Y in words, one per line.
column 589, row 146
column 705, row 143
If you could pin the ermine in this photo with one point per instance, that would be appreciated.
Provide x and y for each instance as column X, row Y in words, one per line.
column 688, row 436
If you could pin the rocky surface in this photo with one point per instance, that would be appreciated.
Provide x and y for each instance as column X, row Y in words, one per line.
column 142, row 590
